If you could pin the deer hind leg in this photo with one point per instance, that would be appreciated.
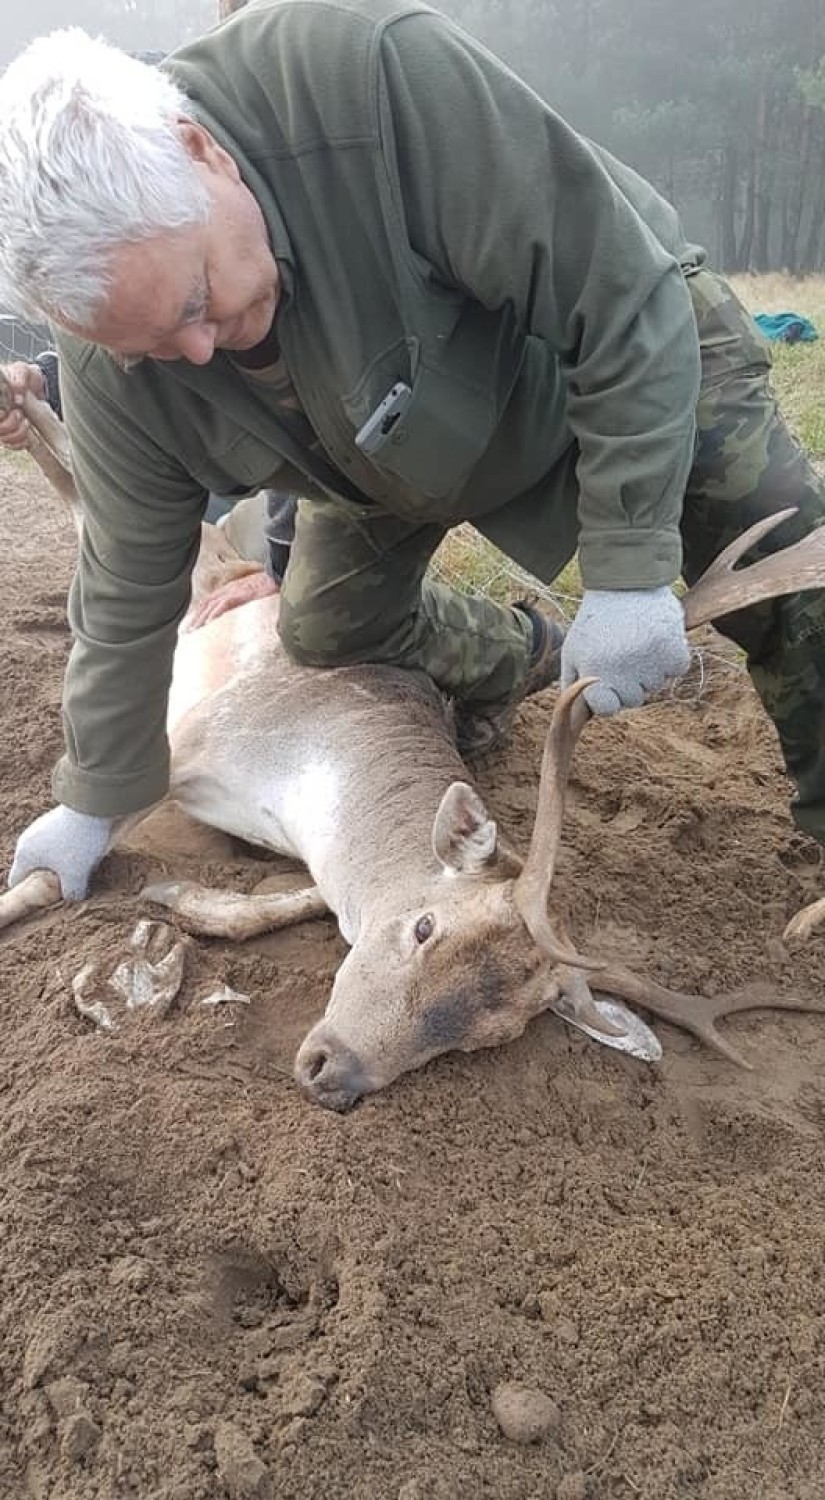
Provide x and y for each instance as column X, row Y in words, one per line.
column 219, row 913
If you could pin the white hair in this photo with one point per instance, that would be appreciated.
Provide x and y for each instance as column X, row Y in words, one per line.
column 90, row 159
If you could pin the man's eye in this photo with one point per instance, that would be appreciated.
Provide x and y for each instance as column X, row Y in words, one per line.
column 424, row 928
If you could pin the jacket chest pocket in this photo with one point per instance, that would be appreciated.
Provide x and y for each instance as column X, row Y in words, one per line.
column 433, row 445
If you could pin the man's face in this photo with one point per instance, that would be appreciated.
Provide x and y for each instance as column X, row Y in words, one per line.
column 185, row 294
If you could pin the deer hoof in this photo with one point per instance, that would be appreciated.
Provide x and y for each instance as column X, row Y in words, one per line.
column 805, row 922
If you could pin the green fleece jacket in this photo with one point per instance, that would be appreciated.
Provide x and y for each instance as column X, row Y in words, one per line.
column 435, row 223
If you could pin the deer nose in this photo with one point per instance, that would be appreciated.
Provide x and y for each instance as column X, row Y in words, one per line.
column 329, row 1072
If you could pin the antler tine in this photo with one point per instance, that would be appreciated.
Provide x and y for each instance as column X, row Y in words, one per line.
column 722, row 588
column 570, row 715
column 48, row 445
column 698, row 1014
column 533, row 884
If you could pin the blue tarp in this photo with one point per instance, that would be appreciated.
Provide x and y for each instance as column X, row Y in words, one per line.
column 786, row 328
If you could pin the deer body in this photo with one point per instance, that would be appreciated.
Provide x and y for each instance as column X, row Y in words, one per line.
column 354, row 772
column 343, row 769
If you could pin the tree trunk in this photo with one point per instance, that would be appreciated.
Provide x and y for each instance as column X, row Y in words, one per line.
column 767, row 153
column 814, row 256
column 727, row 206
column 745, row 251
column 801, row 150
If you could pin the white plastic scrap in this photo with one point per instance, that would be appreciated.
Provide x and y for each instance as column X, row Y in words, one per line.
column 139, row 980
column 224, row 995
column 151, row 974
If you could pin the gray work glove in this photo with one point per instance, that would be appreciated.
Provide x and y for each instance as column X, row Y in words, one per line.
column 69, row 843
column 633, row 640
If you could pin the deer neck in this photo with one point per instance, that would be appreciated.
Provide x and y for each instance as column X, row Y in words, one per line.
column 379, row 772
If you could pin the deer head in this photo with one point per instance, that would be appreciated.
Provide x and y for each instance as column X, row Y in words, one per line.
column 450, row 971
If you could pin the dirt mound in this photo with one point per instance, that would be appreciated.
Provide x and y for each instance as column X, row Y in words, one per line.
column 211, row 1288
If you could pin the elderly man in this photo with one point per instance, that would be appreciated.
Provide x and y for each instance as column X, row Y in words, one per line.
column 262, row 527
column 341, row 242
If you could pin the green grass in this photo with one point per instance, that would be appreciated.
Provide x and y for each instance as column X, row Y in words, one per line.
column 472, row 564
column 798, row 369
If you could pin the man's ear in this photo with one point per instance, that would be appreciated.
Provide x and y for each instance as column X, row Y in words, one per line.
column 202, row 148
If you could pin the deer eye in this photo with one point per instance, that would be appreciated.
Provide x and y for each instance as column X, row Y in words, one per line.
column 424, row 928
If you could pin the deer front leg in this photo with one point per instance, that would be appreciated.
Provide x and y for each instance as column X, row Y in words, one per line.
column 36, row 890
column 48, row 444
column 230, row 914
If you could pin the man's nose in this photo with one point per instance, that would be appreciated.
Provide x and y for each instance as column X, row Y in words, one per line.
column 195, row 343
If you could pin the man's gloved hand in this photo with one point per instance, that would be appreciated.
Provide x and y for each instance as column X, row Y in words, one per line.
column 68, row 842
column 633, row 640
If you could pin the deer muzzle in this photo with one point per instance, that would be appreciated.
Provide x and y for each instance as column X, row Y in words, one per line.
column 329, row 1072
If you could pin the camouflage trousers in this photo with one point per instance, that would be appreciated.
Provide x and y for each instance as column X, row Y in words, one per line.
column 747, row 466
column 357, row 587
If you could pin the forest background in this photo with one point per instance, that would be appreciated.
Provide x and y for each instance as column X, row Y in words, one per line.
column 720, row 103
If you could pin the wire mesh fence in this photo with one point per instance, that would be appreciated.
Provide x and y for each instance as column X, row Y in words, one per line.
column 21, row 340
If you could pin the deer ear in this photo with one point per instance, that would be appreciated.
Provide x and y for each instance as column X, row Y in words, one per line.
column 464, row 834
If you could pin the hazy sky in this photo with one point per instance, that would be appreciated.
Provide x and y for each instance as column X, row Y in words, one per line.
column 144, row 24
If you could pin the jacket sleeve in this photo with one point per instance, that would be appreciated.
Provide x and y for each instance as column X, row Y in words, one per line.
column 141, row 535
column 505, row 201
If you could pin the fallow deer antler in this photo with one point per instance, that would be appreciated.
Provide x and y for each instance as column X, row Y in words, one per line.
column 532, row 887
column 720, row 591
column 722, row 588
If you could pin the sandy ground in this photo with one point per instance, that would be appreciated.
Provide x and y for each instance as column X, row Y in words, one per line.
column 211, row 1288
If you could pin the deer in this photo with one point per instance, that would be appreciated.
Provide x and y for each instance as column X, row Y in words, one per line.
column 454, row 943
